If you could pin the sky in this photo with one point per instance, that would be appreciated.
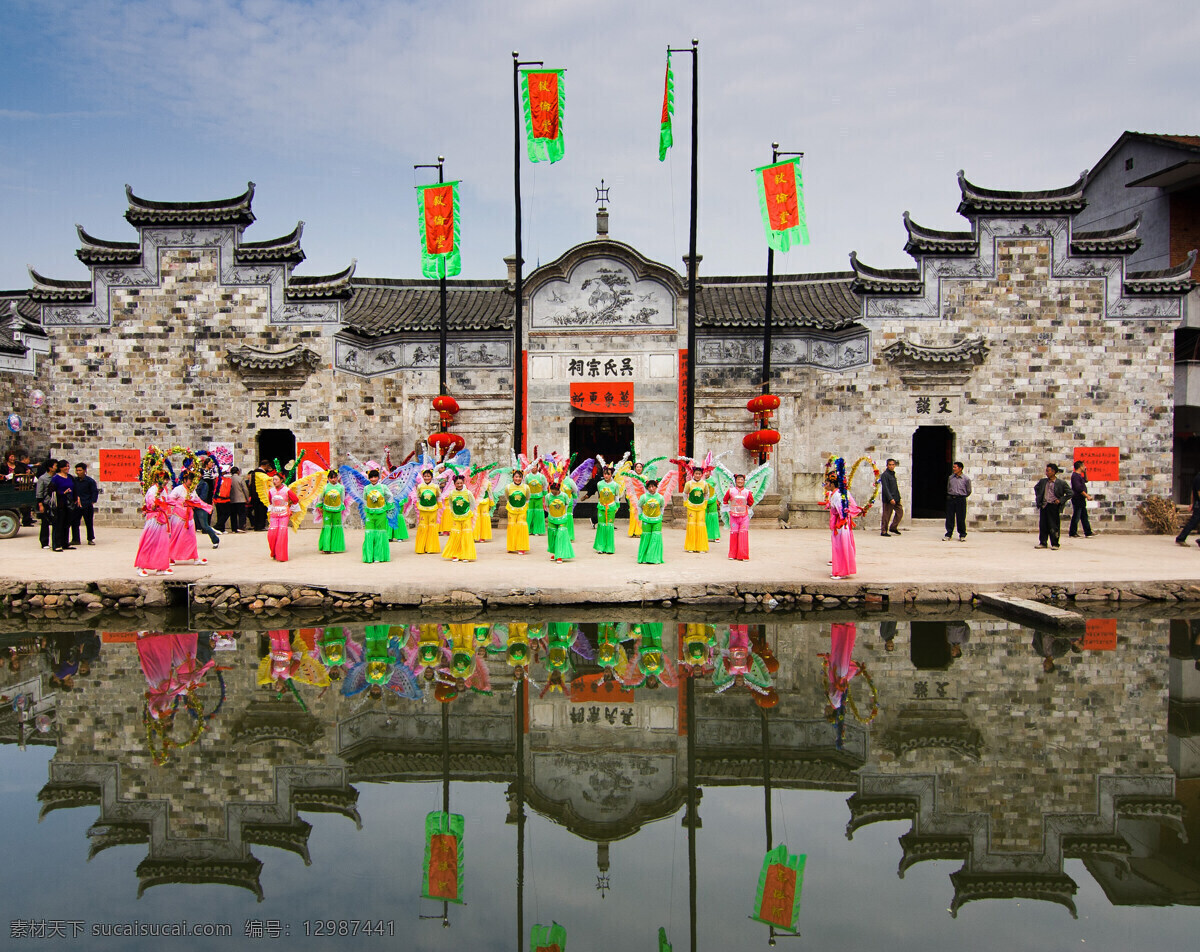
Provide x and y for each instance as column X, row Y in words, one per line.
column 327, row 104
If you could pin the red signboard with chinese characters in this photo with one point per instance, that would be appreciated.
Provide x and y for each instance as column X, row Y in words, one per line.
column 120, row 466
column 316, row 452
column 1100, row 634
column 602, row 397
column 1103, row 462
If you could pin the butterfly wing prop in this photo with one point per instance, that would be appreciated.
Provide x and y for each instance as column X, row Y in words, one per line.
column 307, row 489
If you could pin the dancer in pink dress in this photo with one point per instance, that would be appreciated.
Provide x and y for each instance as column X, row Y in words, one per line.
column 842, row 510
column 283, row 503
column 183, row 527
column 154, row 548
column 739, row 502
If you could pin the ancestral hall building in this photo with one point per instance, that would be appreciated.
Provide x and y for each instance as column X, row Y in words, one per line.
column 1008, row 345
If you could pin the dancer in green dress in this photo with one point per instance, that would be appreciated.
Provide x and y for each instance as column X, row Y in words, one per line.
column 333, row 501
column 712, row 512
column 378, row 506
column 608, row 496
column 650, row 506
column 558, row 510
column 536, row 513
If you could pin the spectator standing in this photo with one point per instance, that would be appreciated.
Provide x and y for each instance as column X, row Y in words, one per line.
column 221, row 502
column 41, row 499
column 958, row 488
column 1079, row 501
column 257, row 490
column 239, row 495
column 8, row 469
column 1194, row 521
column 204, row 489
column 893, row 508
column 61, row 494
column 25, row 467
column 86, row 495
column 1050, row 494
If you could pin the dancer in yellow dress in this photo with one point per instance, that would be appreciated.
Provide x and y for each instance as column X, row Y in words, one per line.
column 516, row 502
column 427, row 496
column 460, row 502
column 483, row 512
column 695, row 493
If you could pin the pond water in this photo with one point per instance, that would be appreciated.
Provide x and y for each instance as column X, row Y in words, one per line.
column 947, row 781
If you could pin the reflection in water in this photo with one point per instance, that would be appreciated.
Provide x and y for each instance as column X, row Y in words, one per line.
column 1005, row 750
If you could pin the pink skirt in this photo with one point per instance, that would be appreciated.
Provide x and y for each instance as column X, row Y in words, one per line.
column 183, row 540
column 154, row 549
column 845, row 560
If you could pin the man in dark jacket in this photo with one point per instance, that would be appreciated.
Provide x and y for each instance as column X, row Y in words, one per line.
column 1050, row 494
column 258, row 484
column 1079, row 501
column 893, row 509
column 41, row 498
column 86, row 494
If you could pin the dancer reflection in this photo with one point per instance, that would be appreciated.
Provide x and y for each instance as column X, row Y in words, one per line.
column 173, row 674
column 840, row 669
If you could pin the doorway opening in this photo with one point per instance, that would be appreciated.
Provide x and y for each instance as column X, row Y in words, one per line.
column 275, row 445
column 605, row 435
column 932, row 454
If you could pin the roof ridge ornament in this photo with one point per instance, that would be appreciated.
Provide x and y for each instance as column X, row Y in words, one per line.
column 977, row 200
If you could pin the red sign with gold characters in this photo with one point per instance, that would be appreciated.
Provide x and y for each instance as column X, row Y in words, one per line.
column 602, row 397
column 120, row 466
column 1103, row 462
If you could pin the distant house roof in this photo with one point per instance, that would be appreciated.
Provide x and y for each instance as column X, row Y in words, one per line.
column 223, row 211
column 380, row 306
column 1185, row 144
column 824, row 301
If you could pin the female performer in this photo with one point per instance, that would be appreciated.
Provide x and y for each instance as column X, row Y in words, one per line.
column 630, row 487
column 535, row 513
column 378, row 506
column 516, row 501
column 428, row 497
column 558, row 515
column 712, row 514
column 607, row 492
column 483, row 512
column 842, row 510
column 460, row 502
column 650, row 510
column 154, row 548
column 740, row 502
column 695, row 493
column 333, row 502
column 182, row 527
column 283, row 503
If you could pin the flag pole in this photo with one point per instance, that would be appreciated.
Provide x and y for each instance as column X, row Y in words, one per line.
column 766, row 360
column 690, row 408
column 442, row 317
column 518, row 279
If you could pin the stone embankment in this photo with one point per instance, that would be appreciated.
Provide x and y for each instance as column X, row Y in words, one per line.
column 224, row 601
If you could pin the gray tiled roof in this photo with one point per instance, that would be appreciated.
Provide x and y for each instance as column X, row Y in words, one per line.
column 978, row 200
column 382, row 306
column 223, row 211
column 824, row 301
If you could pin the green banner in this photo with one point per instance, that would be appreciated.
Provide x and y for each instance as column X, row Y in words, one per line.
column 438, row 220
column 665, row 138
column 543, row 94
column 551, row 938
column 778, row 900
column 781, row 201
column 443, row 873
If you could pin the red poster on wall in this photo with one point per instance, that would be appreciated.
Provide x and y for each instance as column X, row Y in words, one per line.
column 316, row 452
column 1100, row 634
column 120, row 466
column 602, row 397
column 1103, row 462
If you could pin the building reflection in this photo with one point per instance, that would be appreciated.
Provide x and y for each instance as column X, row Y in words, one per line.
column 1006, row 750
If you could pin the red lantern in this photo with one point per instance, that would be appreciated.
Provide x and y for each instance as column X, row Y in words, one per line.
column 447, row 443
column 763, row 403
column 750, row 441
column 767, row 437
column 445, row 404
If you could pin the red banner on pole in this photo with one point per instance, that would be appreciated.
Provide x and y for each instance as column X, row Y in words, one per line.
column 602, row 397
